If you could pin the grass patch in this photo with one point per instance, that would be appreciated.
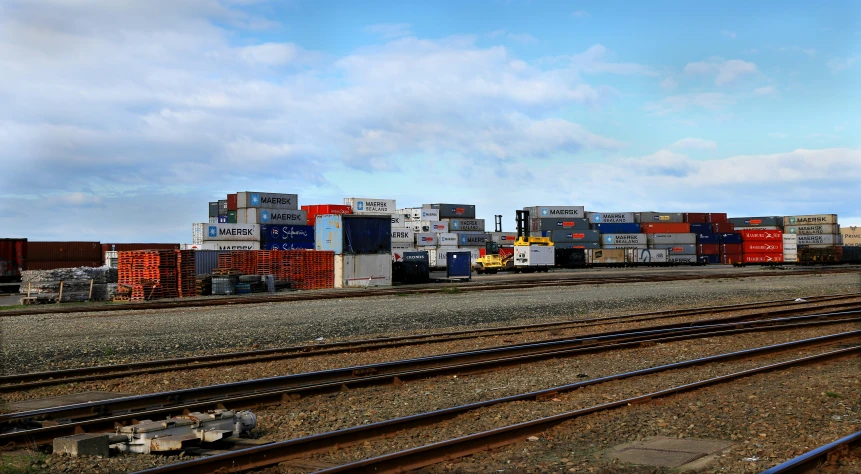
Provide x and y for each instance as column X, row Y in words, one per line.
column 21, row 462
column 832, row 394
column 451, row 290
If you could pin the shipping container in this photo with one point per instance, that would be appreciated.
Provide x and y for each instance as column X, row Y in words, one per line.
column 232, row 204
column 556, row 211
column 539, row 224
column 286, row 233
column 790, row 249
column 455, row 211
column 438, row 256
column 399, row 249
column 666, row 228
column 680, row 249
column 762, row 258
column 579, row 245
column 624, row 246
column 205, row 261
column 851, row 236
column 717, row 218
column 659, row 217
column 428, row 226
column 504, row 238
column 708, row 239
column 701, row 228
column 124, row 247
column 13, row 259
column 363, row 270
column 244, row 232
column 447, row 239
column 222, row 207
column 756, row 221
column 790, row 258
column 64, row 252
column 457, row 225
column 763, row 247
column 814, row 219
column 534, row 256
column 219, row 220
column 371, row 205
column 610, row 218
column 689, row 259
column 233, row 245
column 710, row 259
column 607, row 256
column 280, row 245
column 672, row 239
column 731, row 258
column 651, row 256
column 696, row 217
column 731, row 238
column 57, row 264
column 472, row 240
column 195, row 247
column 248, row 199
column 732, row 248
column 764, row 227
column 812, row 229
column 403, row 236
column 624, row 239
column 427, row 239
column 617, row 228
column 253, row 215
column 821, row 239
column 231, row 217
column 314, row 210
column 570, row 258
column 723, row 228
column 213, row 209
column 354, row 234
column 399, row 221
column 567, row 236
column 790, row 239
column 761, row 235
column 708, row 249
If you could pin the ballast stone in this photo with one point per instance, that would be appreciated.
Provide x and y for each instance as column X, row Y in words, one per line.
column 85, row 444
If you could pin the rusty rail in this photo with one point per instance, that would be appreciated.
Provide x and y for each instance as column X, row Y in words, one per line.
column 17, row 382
column 821, row 456
column 105, row 415
column 267, row 455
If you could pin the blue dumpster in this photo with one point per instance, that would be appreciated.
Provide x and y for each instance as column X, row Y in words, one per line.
column 459, row 265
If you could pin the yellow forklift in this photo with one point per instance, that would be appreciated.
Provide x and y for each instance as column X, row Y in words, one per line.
column 492, row 262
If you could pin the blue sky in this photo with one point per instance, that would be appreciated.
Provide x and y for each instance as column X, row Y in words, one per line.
column 122, row 119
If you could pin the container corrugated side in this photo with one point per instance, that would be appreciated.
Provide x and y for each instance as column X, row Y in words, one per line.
column 756, row 221
column 605, row 256
column 213, row 209
column 556, row 211
column 230, row 232
column 661, row 217
column 666, row 228
column 363, row 270
column 233, row 245
column 473, row 240
column 246, row 199
column 504, row 238
column 125, row 247
column 556, row 223
column 652, row 256
column 610, row 217
column 617, row 228
column 812, row 219
column 455, row 211
column 371, row 205
column 64, row 251
column 819, row 239
column 427, row 239
column 624, row 239
column 56, row 264
column 286, row 233
column 812, row 229
column 569, row 236
column 232, row 204
column 13, row 254
column 206, row 260
column 851, row 236
column 403, row 235
column 456, row 225
column 672, row 239
column 271, row 216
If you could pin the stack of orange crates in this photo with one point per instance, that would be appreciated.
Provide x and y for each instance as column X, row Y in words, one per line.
column 186, row 275
column 319, row 269
column 155, row 273
column 225, row 260
column 264, row 262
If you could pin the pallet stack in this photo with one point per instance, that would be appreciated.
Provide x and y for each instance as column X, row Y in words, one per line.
column 153, row 274
column 186, row 276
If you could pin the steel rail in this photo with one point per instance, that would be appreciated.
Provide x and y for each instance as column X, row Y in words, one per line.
column 107, row 422
column 274, row 453
column 820, row 456
column 338, row 294
column 17, row 382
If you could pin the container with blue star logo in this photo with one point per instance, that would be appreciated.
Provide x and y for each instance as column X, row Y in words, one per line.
column 251, row 199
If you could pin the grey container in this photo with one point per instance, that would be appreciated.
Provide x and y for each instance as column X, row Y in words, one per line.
column 207, row 260
column 671, row 239
column 213, row 209
column 624, row 246
column 247, row 199
column 610, row 217
column 658, row 217
column 678, row 258
column 556, row 211
column 222, row 207
column 756, row 221
column 680, row 249
column 472, row 240
column 458, row 225
column 812, row 229
column 574, row 223
column 455, row 211
column 820, row 239
column 578, row 245
column 574, row 236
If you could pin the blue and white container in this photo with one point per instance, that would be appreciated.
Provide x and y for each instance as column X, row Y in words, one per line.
column 610, row 217
column 617, row 228
column 624, row 239
column 354, row 234
column 287, row 233
column 253, row 215
column 287, row 246
column 247, row 199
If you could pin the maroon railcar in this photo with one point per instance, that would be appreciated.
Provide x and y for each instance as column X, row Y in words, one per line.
column 13, row 259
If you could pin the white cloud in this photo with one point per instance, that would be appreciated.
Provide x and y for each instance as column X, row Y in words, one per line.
column 712, row 101
column 797, row 49
column 272, row 54
column 777, row 135
column 725, row 71
column 669, row 84
column 524, row 38
column 841, row 64
column 694, row 144
column 598, row 59
column 390, row 30
column 728, row 34
column 580, row 14
column 769, row 90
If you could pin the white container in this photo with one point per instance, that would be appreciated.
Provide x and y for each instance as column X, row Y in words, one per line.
column 201, row 246
column 399, row 249
column 399, row 221
column 504, row 238
column 682, row 258
column 472, row 240
column 851, row 235
column 403, row 235
column 624, row 239
column 426, row 239
column 610, row 217
column 649, row 255
column 790, row 249
column 534, row 256
column 437, row 256
column 363, row 270
column 556, row 211
column 625, row 246
column 790, row 239
column 436, row 226
column 819, row 239
column 254, row 215
column 447, row 239
column 762, row 227
column 457, row 225
column 246, row 199
column 371, row 206
column 429, row 214
column 671, row 239
column 812, row 229
column 231, row 245
column 793, row 258
column 229, row 232
column 811, row 219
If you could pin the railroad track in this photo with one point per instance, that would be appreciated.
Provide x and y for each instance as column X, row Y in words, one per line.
column 301, row 448
column 823, row 455
column 17, row 382
column 494, row 285
column 42, row 426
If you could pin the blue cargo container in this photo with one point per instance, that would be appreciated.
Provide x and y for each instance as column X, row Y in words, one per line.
column 568, row 236
column 353, row 234
column 222, row 219
column 287, row 233
column 730, row 238
column 707, row 238
column 287, row 246
column 458, row 265
column 701, row 228
column 617, row 228
column 710, row 259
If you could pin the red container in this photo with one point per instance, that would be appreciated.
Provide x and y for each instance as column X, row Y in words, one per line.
column 231, row 202
column 723, row 228
column 506, row 251
column 315, row 210
column 63, row 252
column 13, row 259
column 666, row 228
column 764, row 247
column 717, row 218
column 709, row 249
column 761, row 235
column 762, row 258
column 731, row 258
column 55, row 264
column 696, row 217
column 731, row 248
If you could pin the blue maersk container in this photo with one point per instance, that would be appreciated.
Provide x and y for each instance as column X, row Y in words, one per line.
column 287, row 233
column 730, row 238
column 353, row 234
column 630, row 228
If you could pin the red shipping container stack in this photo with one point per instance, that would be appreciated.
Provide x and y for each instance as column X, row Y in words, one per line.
column 315, row 210
column 717, row 218
column 723, row 228
column 666, row 228
column 762, row 246
column 231, row 202
column 708, row 249
column 696, row 217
